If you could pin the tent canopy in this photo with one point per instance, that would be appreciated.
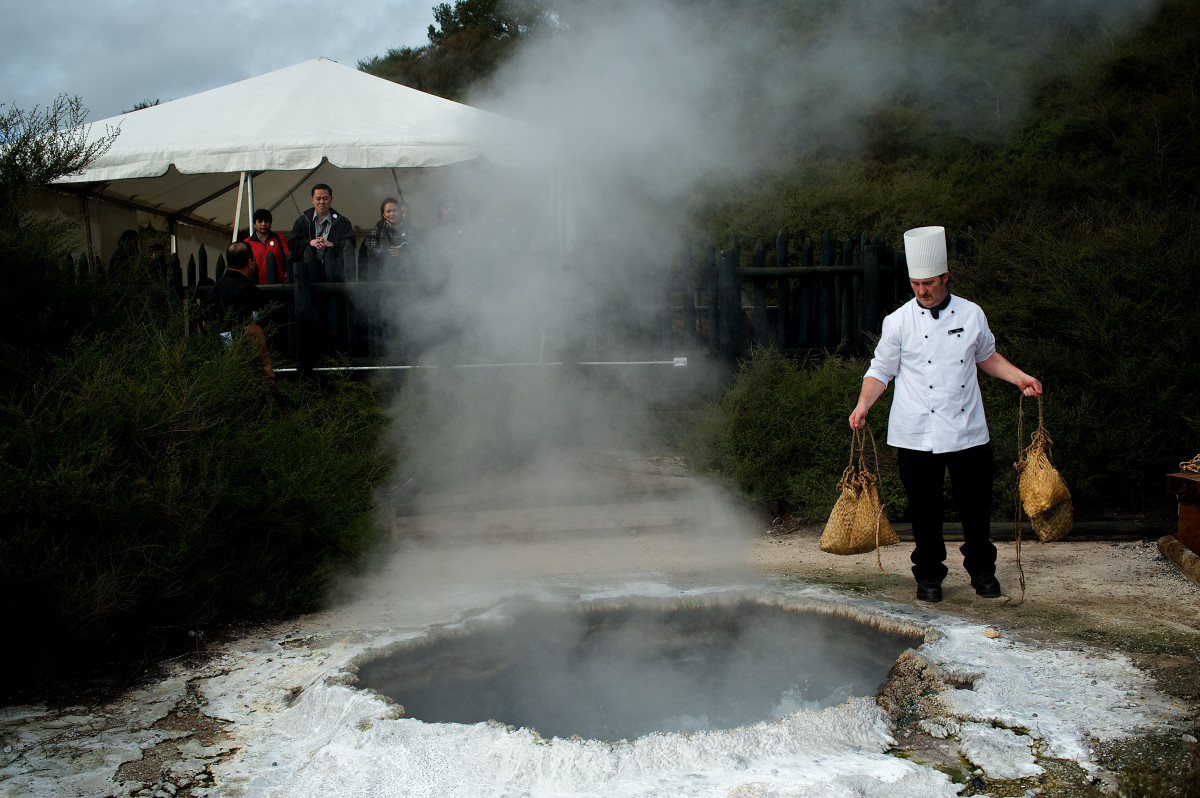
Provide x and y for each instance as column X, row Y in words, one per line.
column 314, row 122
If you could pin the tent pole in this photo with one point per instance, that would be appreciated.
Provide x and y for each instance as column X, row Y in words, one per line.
column 396, row 180
column 237, row 213
column 250, row 203
column 87, row 227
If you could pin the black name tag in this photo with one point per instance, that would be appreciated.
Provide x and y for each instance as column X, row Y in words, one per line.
column 955, row 330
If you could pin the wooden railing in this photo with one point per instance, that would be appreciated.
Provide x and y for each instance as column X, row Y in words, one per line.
column 830, row 297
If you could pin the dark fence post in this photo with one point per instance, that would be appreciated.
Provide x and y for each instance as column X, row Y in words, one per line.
column 825, row 303
column 191, row 271
column 712, row 289
column 731, row 301
column 687, row 290
column 202, row 264
column 784, row 299
column 272, row 269
column 280, row 329
column 844, row 286
column 870, row 294
column 306, row 312
column 759, row 261
column 349, row 312
column 175, row 275
column 220, row 267
column 808, row 296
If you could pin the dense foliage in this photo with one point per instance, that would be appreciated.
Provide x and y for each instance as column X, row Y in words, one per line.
column 1086, row 266
column 150, row 486
column 779, row 433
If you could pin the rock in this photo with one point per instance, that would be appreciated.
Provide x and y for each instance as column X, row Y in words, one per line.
column 999, row 752
column 939, row 728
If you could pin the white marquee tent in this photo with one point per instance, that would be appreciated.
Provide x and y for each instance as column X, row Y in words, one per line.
column 197, row 164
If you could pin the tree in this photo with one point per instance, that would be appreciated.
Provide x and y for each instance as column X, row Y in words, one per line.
column 140, row 104
column 468, row 42
column 42, row 145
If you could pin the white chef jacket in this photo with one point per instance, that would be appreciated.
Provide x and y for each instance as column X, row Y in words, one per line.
column 937, row 407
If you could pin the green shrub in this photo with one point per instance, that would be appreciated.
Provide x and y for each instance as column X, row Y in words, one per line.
column 780, row 435
column 151, row 485
column 1104, row 315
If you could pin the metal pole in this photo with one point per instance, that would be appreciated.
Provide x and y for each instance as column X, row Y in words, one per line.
column 238, row 210
column 250, row 203
column 87, row 226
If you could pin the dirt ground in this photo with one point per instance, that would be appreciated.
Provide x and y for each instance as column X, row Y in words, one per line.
column 1121, row 594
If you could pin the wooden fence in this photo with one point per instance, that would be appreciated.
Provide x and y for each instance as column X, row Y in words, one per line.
column 833, row 301
column 834, row 305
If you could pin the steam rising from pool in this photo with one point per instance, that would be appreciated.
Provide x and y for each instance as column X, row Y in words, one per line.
column 621, row 672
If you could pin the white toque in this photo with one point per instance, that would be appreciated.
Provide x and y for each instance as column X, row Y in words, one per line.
column 925, row 251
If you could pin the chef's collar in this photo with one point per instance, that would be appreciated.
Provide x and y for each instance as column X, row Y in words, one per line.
column 934, row 311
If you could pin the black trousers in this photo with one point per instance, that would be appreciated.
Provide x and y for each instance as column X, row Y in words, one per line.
column 971, row 476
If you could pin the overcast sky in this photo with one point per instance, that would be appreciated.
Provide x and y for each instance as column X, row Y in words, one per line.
column 115, row 53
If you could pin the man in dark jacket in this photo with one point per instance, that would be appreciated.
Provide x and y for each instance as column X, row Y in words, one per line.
column 125, row 256
column 321, row 228
column 235, row 302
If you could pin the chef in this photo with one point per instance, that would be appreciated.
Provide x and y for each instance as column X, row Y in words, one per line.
column 931, row 347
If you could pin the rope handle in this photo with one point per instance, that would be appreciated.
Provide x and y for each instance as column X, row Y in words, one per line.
column 1040, row 438
column 859, row 475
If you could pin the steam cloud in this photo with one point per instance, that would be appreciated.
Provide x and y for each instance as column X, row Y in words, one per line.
column 647, row 101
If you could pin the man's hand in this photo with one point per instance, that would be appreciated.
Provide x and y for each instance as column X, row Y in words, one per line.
column 319, row 243
column 872, row 389
column 999, row 367
column 1029, row 385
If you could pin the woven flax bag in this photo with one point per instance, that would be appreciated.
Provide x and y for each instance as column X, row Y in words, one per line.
column 857, row 523
column 1044, row 494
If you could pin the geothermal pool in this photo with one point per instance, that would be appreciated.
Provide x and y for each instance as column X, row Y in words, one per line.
column 622, row 671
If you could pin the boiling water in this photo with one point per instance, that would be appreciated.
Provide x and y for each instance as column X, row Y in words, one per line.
column 622, row 672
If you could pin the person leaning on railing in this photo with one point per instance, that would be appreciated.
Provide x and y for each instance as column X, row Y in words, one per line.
column 321, row 226
column 262, row 242
column 387, row 243
column 235, row 300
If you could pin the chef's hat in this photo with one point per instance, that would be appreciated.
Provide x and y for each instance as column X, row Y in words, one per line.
column 925, row 250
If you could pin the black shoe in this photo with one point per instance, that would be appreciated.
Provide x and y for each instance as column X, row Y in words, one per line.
column 986, row 586
column 929, row 590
